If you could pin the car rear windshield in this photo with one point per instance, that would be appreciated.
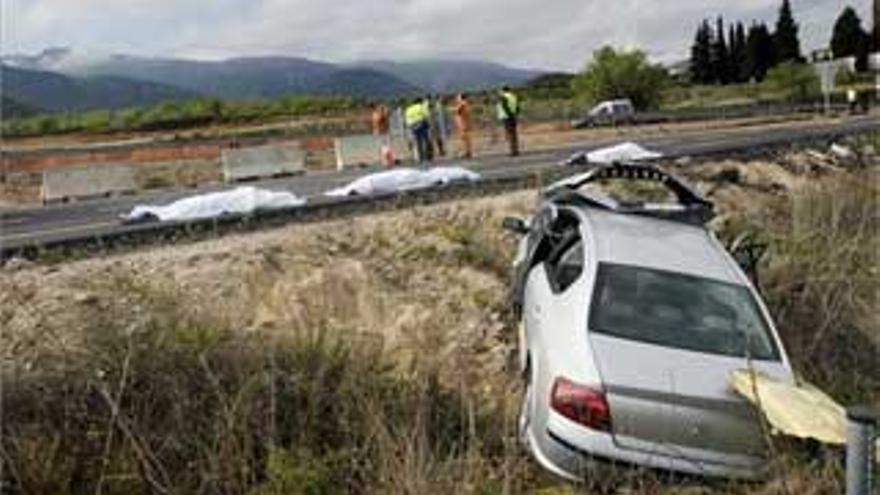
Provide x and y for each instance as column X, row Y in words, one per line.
column 679, row 311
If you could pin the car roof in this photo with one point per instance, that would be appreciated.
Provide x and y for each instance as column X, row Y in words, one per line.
column 638, row 240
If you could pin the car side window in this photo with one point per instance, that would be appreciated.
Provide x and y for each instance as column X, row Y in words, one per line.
column 570, row 266
column 566, row 264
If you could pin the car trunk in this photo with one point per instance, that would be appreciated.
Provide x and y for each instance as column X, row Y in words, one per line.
column 670, row 399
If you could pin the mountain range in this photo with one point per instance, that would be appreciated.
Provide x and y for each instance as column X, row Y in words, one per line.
column 60, row 79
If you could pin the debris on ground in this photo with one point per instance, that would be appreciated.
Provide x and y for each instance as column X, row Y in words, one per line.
column 241, row 200
column 842, row 152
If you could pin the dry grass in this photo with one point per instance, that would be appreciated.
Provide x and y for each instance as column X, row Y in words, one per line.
column 371, row 355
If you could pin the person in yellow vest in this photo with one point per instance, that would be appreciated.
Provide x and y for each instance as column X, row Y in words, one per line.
column 508, row 114
column 417, row 115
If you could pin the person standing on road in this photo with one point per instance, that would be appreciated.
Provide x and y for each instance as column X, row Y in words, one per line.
column 508, row 114
column 379, row 119
column 852, row 98
column 418, row 125
column 439, row 125
column 462, row 111
column 380, row 122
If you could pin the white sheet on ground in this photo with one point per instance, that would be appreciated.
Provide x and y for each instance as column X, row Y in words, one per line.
column 240, row 200
column 404, row 179
column 623, row 152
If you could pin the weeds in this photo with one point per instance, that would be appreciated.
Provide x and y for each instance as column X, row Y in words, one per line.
column 371, row 361
column 823, row 283
column 162, row 397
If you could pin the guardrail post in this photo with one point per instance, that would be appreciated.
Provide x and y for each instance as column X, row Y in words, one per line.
column 860, row 447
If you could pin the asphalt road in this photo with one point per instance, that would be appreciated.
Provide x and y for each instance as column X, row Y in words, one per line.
column 53, row 223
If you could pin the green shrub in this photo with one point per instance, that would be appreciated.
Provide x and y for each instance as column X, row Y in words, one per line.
column 799, row 82
column 626, row 74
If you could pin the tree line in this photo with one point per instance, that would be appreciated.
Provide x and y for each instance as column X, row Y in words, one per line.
column 730, row 55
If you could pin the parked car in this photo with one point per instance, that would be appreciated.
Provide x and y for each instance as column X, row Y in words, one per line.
column 632, row 318
column 611, row 112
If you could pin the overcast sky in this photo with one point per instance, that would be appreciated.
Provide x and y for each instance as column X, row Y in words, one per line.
column 546, row 34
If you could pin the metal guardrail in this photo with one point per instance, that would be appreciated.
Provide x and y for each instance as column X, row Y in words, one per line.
column 860, row 450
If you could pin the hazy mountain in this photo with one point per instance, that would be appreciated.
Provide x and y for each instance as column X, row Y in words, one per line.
column 72, row 80
column 261, row 77
column 235, row 78
column 57, row 92
column 446, row 76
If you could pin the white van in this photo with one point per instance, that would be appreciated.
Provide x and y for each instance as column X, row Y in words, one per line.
column 610, row 112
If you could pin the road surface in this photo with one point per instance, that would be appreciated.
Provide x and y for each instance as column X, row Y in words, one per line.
column 101, row 217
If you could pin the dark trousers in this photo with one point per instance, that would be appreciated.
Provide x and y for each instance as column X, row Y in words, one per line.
column 422, row 136
column 510, row 132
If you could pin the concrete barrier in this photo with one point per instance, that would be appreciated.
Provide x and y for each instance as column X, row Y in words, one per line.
column 262, row 161
column 365, row 149
column 89, row 181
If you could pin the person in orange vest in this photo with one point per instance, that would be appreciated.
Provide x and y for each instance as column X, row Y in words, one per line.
column 462, row 110
column 380, row 120
column 508, row 114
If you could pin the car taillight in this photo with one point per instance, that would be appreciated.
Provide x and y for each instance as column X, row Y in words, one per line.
column 581, row 404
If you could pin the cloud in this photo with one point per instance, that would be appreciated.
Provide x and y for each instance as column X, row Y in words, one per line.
column 553, row 34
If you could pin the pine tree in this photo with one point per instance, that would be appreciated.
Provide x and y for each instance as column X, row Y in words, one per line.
column 740, row 62
column 787, row 46
column 720, row 56
column 701, row 68
column 847, row 34
column 759, row 52
column 731, row 54
column 849, row 39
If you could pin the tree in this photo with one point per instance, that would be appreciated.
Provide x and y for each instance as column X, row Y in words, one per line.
column 850, row 40
column 787, row 46
column 847, row 34
column 759, row 52
column 720, row 55
column 798, row 81
column 624, row 74
column 701, row 63
column 739, row 57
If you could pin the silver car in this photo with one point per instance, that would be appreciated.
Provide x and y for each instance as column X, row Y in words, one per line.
column 633, row 317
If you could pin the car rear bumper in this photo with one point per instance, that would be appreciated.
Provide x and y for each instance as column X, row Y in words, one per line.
column 573, row 452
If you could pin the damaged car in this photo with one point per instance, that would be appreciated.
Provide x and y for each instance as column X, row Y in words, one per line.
column 633, row 317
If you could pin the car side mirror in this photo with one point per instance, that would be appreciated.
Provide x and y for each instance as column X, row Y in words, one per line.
column 516, row 225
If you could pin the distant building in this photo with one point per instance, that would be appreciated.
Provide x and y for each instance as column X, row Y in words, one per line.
column 680, row 70
column 821, row 55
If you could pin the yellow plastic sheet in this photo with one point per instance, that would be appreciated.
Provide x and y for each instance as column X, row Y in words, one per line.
column 799, row 410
